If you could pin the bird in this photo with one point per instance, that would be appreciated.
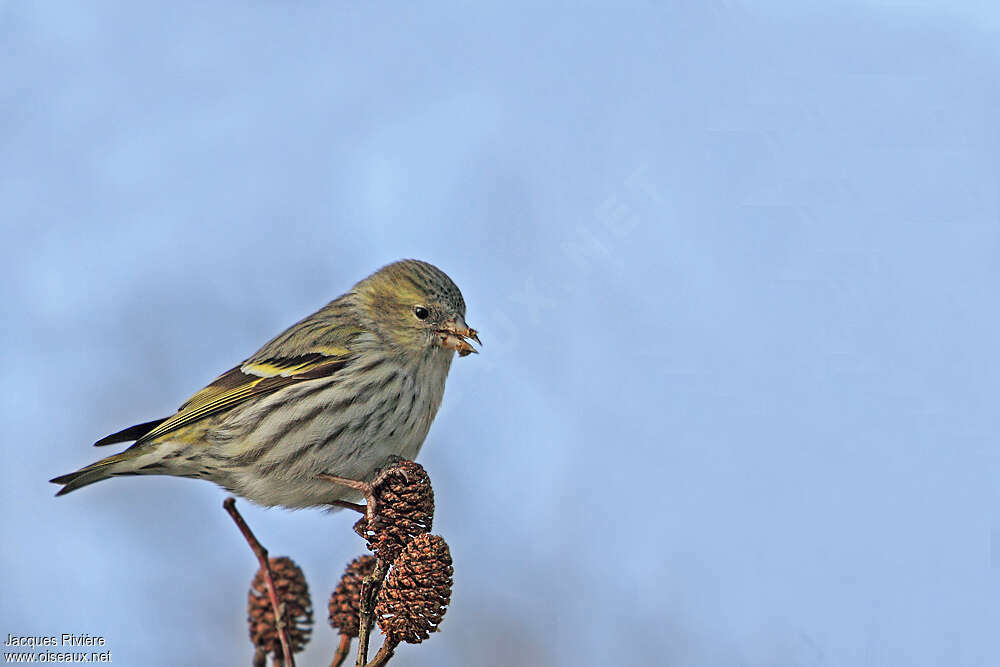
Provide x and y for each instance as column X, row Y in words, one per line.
column 336, row 395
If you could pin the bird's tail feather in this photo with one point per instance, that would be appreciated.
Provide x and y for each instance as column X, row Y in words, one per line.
column 95, row 472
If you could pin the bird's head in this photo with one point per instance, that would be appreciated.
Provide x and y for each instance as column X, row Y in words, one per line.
column 416, row 307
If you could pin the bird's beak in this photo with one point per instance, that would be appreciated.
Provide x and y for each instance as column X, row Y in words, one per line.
column 452, row 336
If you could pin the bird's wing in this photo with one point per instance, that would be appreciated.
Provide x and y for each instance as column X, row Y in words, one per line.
column 252, row 378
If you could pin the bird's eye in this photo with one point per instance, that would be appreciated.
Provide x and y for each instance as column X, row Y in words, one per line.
column 421, row 312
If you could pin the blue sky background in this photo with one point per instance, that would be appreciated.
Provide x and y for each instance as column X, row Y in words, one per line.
column 735, row 265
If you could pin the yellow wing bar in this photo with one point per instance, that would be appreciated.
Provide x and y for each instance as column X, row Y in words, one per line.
column 245, row 382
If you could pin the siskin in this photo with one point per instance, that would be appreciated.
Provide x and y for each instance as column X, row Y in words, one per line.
column 339, row 393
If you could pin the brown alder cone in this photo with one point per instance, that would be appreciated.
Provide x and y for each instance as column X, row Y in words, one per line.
column 346, row 598
column 292, row 592
column 404, row 509
column 416, row 594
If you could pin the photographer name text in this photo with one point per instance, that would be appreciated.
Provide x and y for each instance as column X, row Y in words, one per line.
column 64, row 639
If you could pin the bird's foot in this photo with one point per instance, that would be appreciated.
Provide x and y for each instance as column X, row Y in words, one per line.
column 367, row 489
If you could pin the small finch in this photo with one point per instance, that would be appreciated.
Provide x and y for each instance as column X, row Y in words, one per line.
column 340, row 393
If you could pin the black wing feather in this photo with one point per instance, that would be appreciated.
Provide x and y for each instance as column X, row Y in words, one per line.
column 130, row 433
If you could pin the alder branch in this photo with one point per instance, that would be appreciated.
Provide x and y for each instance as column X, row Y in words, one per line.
column 265, row 563
column 369, row 593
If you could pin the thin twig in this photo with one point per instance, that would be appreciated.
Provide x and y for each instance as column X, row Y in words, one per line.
column 370, row 587
column 230, row 506
column 342, row 650
column 387, row 651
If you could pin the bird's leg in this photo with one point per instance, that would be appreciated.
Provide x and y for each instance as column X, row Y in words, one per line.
column 360, row 487
column 367, row 489
column 364, row 488
column 357, row 507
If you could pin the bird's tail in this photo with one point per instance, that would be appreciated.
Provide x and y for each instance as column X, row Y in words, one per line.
column 112, row 465
column 95, row 472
